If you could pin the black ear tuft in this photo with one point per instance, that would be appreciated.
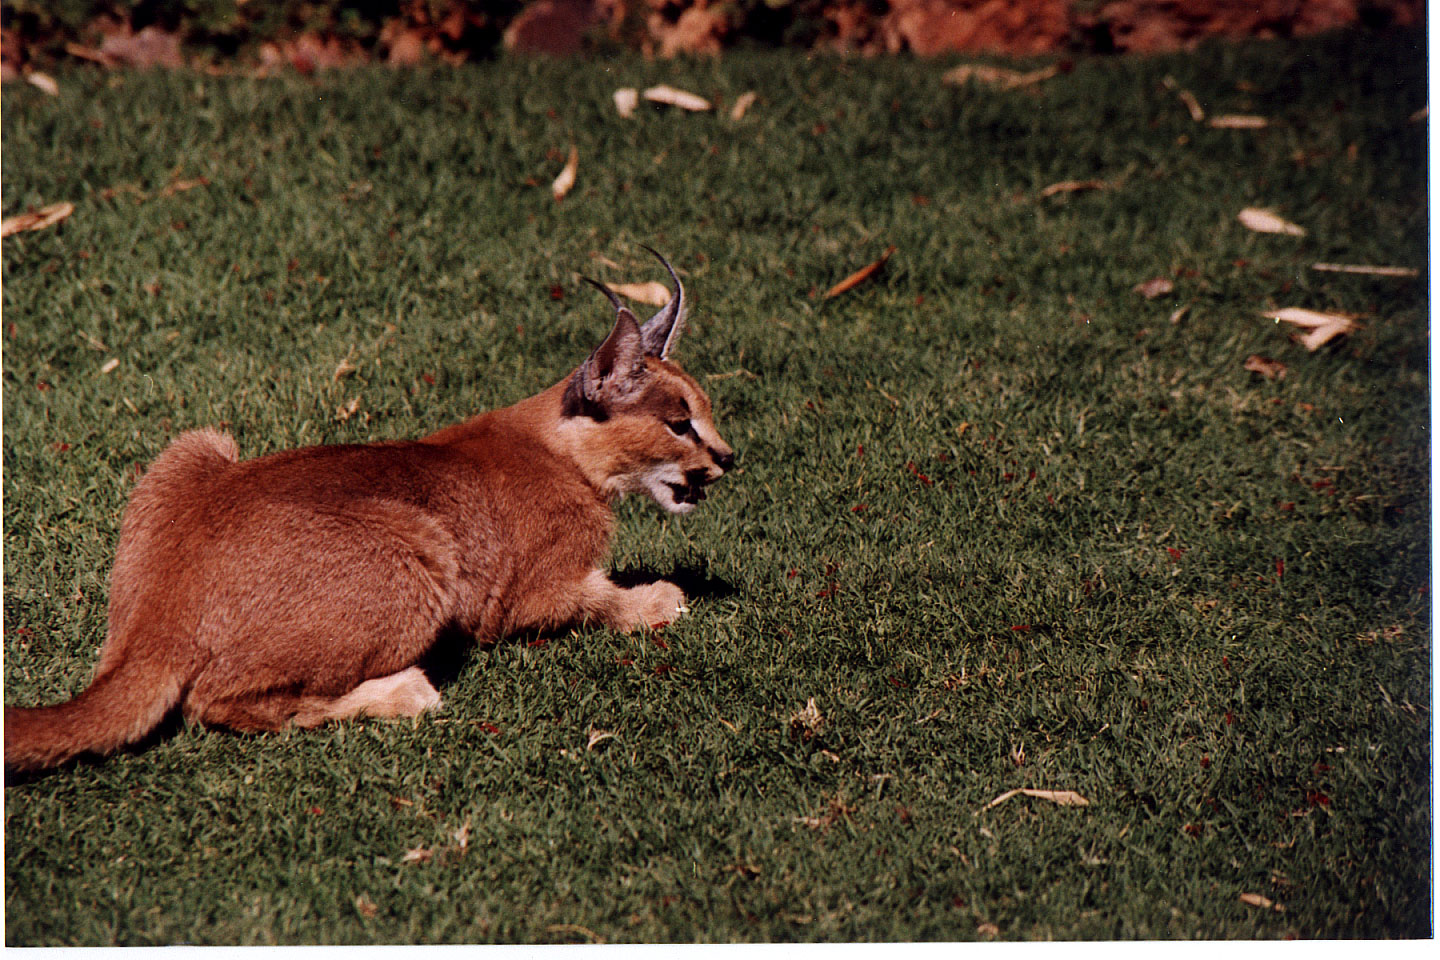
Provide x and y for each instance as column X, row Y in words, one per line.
column 662, row 330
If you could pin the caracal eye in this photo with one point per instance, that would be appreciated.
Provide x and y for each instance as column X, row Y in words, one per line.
column 680, row 428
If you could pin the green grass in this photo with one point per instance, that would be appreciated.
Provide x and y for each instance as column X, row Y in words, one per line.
column 1082, row 592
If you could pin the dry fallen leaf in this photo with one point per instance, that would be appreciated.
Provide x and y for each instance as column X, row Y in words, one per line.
column 1320, row 336
column 742, row 103
column 1266, row 367
column 626, row 100
column 651, row 292
column 110, row 365
column 1366, row 270
column 344, row 368
column 806, row 722
column 676, row 98
column 1197, row 112
column 837, row 809
column 1073, row 186
column 180, row 186
column 566, row 178
column 859, row 276
column 598, row 737
column 43, row 82
column 366, row 906
column 1265, row 903
column 1302, row 317
column 36, row 219
column 1179, row 314
column 1157, row 287
column 998, row 77
column 417, row 855
column 346, row 411
column 988, row 930
column 1238, row 121
column 1065, row 798
column 1322, row 327
column 1266, row 221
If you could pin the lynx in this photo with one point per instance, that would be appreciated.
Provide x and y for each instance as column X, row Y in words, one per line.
column 306, row 586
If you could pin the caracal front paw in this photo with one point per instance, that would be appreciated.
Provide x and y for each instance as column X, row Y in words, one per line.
column 655, row 604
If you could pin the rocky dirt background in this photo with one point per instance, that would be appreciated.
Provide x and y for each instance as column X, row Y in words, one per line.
column 307, row 36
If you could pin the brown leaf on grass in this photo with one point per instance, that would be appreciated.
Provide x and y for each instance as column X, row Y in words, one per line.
column 859, row 276
column 1157, row 287
column 1404, row 272
column 742, row 104
column 988, row 930
column 1064, row 798
column 598, row 737
column 651, row 292
column 36, row 219
column 626, row 100
column 664, row 93
column 1179, row 315
column 566, row 178
column 109, row 365
column 1267, row 221
column 1238, row 121
column 348, row 410
column 1000, row 78
column 1073, row 186
column 1264, row 903
column 1266, row 367
column 366, row 906
column 1322, row 327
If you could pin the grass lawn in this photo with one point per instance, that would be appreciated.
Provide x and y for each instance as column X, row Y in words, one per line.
column 1008, row 522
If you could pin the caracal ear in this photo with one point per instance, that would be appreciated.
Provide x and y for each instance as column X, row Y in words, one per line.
column 662, row 330
column 614, row 373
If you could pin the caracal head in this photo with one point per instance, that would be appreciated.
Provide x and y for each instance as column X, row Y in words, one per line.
column 638, row 423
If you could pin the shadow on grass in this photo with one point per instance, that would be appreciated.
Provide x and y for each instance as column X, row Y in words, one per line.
column 454, row 649
column 695, row 581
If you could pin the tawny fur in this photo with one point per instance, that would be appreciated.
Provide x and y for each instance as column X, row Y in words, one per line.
column 306, row 585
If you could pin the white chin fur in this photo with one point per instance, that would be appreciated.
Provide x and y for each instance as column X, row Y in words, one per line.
column 655, row 484
column 672, row 505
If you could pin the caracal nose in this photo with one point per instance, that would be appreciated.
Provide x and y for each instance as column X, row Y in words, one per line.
column 724, row 459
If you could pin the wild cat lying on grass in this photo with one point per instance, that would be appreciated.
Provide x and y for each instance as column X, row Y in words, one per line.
column 306, row 585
